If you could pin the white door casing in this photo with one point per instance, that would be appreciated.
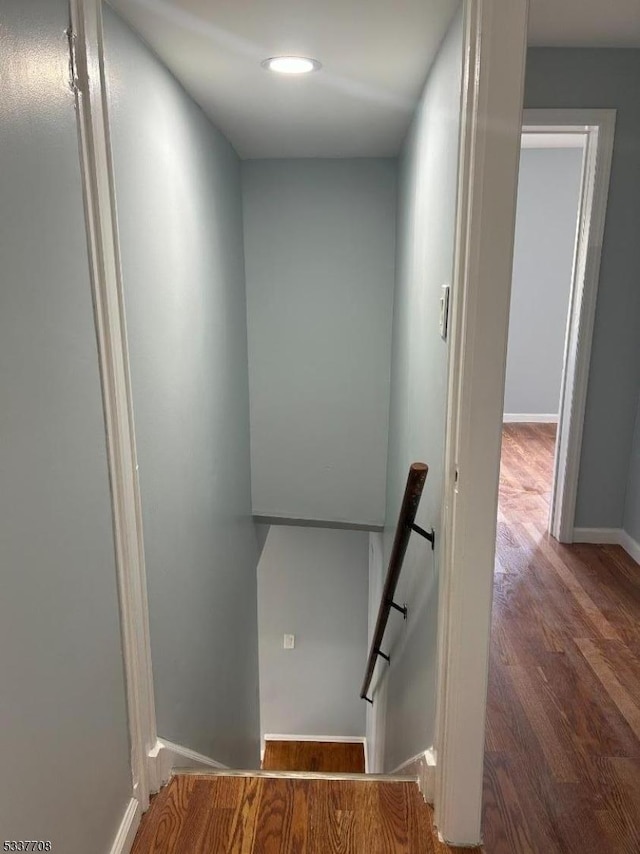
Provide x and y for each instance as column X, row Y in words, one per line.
column 492, row 99
column 493, row 83
column 598, row 126
column 85, row 38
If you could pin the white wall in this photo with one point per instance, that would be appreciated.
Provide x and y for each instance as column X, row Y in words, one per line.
column 319, row 242
column 546, row 222
column 426, row 229
column 65, row 772
column 313, row 583
column 180, row 220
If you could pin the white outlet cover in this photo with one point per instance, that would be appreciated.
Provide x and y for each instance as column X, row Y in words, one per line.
column 289, row 641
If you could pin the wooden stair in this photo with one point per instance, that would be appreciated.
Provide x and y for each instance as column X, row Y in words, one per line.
column 271, row 812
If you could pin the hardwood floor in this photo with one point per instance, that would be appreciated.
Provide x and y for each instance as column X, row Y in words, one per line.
column 258, row 815
column 314, row 756
column 562, row 768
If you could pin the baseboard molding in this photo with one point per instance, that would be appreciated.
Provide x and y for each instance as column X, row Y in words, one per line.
column 604, row 536
column 167, row 757
column 123, row 842
column 529, row 418
column 631, row 546
column 609, row 536
column 422, row 766
column 335, row 739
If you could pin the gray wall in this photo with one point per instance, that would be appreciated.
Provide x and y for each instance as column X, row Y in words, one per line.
column 632, row 505
column 179, row 211
column 65, row 772
column 319, row 239
column 426, row 226
column 313, row 583
column 546, row 220
column 602, row 78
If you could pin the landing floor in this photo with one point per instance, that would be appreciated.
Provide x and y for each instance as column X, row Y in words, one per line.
column 562, row 769
column 257, row 815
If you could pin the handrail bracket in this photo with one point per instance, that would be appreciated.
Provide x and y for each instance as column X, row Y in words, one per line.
column 402, row 608
column 428, row 535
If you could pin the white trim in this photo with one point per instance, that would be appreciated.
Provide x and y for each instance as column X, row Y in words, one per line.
column 599, row 128
column 631, row 546
column 304, row 775
column 102, row 239
column 535, row 139
column 159, row 765
column 173, row 758
column 126, row 834
column 495, row 53
column 605, row 536
column 609, row 536
column 325, row 739
column 529, row 418
column 423, row 766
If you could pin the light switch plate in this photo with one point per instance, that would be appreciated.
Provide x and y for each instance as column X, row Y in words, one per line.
column 289, row 641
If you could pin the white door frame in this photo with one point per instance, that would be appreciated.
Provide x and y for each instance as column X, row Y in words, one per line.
column 598, row 127
column 489, row 156
column 495, row 49
column 108, row 299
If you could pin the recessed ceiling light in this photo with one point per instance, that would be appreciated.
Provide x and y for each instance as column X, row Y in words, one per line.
column 291, row 64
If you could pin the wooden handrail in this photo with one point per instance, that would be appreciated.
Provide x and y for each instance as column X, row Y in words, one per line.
column 406, row 519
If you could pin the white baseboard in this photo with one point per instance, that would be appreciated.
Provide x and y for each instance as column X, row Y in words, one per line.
column 423, row 766
column 529, row 418
column 167, row 757
column 631, row 546
column 608, row 536
column 123, row 842
column 335, row 739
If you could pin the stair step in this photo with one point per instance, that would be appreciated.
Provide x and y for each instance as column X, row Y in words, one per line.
column 276, row 811
column 299, row 775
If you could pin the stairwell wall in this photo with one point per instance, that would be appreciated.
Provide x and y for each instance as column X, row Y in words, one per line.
column 313, row 583
column 65, row 774
column 320, row 243
column 427, row 196
column 177, row 182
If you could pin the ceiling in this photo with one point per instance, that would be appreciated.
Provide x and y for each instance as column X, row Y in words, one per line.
column 375, row 55
column 585, row 23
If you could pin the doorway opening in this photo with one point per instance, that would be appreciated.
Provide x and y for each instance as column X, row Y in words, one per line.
column 562, row 193
column 549, row 195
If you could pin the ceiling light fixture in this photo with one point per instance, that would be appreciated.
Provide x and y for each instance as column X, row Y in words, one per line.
column 291, row 64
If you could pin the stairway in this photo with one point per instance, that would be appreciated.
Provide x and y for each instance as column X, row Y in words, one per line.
column 269, row 812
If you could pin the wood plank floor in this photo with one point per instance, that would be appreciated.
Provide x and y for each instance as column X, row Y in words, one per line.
column 562, row 768
column 335, row 757
column 257, row 815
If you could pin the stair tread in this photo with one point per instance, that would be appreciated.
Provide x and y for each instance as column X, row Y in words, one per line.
column 266, row 812
column 299, row 775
